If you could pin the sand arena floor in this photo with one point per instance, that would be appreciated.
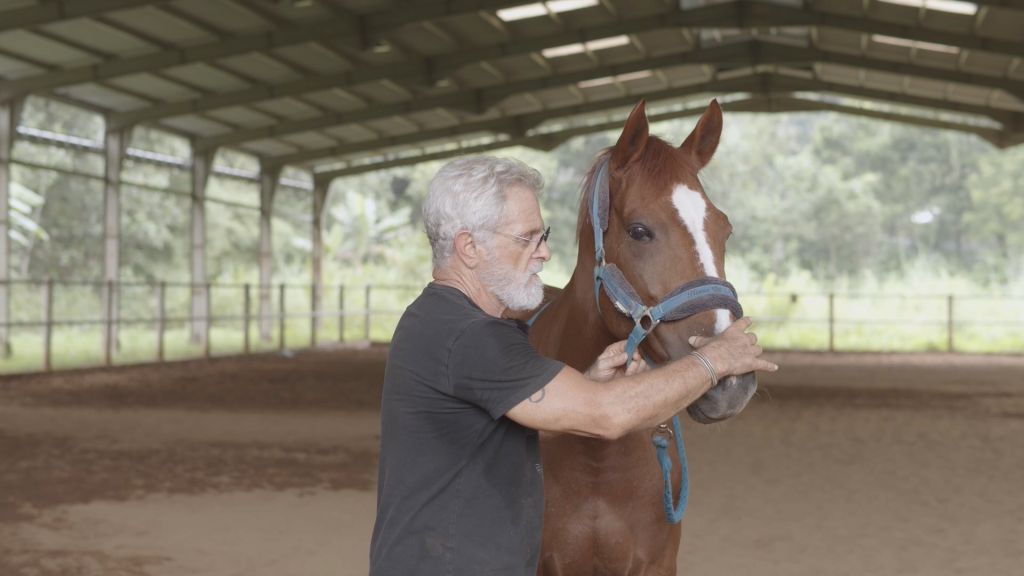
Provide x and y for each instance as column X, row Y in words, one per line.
column 265, row 466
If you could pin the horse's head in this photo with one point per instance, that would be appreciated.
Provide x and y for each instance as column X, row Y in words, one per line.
column 664, row 231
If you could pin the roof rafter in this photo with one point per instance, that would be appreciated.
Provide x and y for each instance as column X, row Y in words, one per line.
column 744, row 13
column 356, row 30
column 480, row 99
column 47, row 12
column 754, row 104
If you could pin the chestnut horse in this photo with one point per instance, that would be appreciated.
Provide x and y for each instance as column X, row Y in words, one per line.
column 604, row 512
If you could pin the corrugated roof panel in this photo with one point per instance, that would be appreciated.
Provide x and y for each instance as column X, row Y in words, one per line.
column 314, row 57
column 666, row 41
column 102, row 97
column 479, row 76
column 425, row 41
column 987, row 63
column 926, row 88
column 1004, row 23
column 948, row 21
column 351, row 133
column 224, row 15
column 895, row 13
column 260, row 67
column 269, row 147
column 11, row 69
column 475, row 30
column 847, row 7
column 520, row 104
column 309, row 140
column 289, row 108
column 100, row 37
column 206, row 77
column 380, row 92
column 335, row 99
column 969, row 94
column 841, row 74
column 241, row 116
column 392, row 126
column 195, row 125
column 39, row 49
column 937, row 59
column 155, row 87
column 836, row 40
column 883, row 81
column 1006, row 101
column 158, row 24
column 433, row 119
column 556, row 97
column 687, row 74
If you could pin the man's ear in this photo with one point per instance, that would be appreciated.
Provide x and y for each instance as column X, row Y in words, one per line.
column 466, row 249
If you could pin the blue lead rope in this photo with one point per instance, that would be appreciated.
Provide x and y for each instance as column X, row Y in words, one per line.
column 673, row 513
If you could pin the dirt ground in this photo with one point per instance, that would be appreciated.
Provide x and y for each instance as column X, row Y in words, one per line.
column 265, row 466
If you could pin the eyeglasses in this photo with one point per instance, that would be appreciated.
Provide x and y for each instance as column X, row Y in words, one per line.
column 543, row 237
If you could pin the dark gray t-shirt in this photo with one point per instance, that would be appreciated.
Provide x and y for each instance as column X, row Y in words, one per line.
column 459, row 485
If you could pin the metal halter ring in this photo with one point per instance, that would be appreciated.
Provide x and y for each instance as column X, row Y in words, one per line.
column 647, row 314
column 662, row 429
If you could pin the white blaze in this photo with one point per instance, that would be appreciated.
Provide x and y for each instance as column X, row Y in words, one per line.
column 692, row 210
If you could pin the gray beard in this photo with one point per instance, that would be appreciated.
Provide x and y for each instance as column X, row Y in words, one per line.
column 514, row 290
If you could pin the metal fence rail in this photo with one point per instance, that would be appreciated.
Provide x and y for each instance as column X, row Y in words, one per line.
column 118, row 311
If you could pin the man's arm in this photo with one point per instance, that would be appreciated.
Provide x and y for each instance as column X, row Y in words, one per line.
column 572, row 403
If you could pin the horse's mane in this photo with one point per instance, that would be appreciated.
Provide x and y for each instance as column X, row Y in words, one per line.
column 660, row 162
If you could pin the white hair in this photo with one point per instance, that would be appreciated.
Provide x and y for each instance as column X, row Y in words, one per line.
column 469, row 194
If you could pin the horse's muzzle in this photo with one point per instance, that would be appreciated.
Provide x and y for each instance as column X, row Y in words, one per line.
column 725, row 400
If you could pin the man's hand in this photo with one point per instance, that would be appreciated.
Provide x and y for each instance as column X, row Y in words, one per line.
column 609, row 365
column 734, row 351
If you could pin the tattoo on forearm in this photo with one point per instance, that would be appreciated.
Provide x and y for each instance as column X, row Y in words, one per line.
column 539, row 395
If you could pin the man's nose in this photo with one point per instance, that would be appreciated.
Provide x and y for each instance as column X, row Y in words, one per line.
column 543, row 253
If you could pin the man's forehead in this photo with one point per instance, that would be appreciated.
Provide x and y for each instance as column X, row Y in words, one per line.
column 522, row 208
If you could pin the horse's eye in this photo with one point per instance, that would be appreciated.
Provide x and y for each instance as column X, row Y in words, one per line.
column 638, row 232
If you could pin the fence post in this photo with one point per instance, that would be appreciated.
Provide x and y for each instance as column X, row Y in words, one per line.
column 831, row 322
column 209, row 321
column 949, row 323
column 108, row 324
column 341, row 313
column 280, row 319
column 366, row 322
column 245, row 320
column 313, row 316
column 160, row 289
column 47, row 324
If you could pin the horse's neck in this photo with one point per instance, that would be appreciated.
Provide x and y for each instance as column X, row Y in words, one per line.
column 577, row 332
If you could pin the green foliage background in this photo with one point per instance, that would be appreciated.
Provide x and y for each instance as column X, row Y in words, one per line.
column 820, row 202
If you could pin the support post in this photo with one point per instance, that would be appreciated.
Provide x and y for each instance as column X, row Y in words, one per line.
column 115, row 143
column 268, row 188
column 366, row 321
column 314, row 317
column 207, row 323
column 47, row 324
column 341, row 313
column 200, row 299
column 10, row 112
column 280, row 319
column 831, row 322
column 108, row 323
column 160, row 298
column 245, row 320
column 320, row 188
column 949, row 323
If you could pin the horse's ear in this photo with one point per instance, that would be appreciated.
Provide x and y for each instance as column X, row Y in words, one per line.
column 633, row 139
column 703, row 141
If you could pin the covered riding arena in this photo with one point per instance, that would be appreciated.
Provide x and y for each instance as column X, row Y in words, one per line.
column 254, row 452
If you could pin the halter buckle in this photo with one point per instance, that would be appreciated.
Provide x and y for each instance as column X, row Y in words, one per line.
column 662, row 430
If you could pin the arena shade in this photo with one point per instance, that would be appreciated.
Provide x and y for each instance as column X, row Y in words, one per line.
column 335, row 87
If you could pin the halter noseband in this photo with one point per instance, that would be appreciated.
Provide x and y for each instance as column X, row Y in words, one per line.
column 698, row 295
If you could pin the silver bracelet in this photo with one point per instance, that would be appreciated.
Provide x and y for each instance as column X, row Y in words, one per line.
column 707, row 364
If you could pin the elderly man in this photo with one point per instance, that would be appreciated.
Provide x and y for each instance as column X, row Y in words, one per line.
column 459, row 489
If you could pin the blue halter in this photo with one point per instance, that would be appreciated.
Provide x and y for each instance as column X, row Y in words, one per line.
column 698, row 295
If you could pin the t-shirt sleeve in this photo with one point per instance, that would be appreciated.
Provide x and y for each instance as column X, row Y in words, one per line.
column 493, row 366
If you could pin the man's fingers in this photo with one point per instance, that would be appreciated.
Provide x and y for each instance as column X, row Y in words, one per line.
column 764, row 365
column 698, row 341
column 742, row 324
column 752, row 337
